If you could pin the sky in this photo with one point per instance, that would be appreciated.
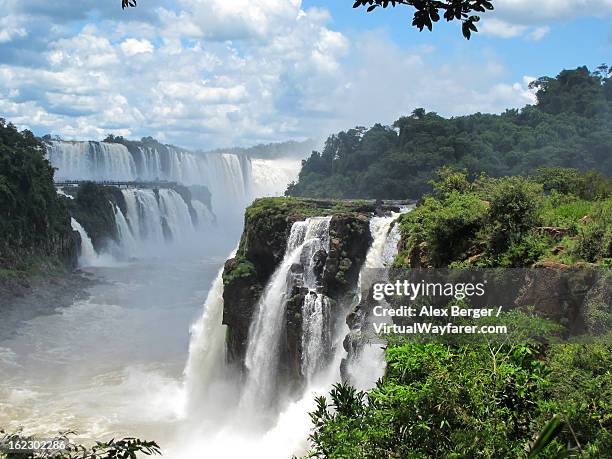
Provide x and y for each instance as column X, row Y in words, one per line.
column 218, row 73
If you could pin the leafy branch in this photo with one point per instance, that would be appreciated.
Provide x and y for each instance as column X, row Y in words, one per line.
column 430, row 11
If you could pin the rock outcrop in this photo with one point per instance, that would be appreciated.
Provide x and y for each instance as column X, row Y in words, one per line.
column 268, row 224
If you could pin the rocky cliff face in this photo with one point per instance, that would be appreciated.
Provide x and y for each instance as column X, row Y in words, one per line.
column 268, row 223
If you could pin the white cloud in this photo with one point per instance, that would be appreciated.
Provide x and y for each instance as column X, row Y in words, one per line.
column 218, row 73
column 539, row 32
column 11, row 28
column 132, row 46
column 502, row 29
column 532, row 19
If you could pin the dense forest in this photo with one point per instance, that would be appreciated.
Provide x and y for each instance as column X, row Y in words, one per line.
column 531, row 394
column 570, row 126
column 34, row 223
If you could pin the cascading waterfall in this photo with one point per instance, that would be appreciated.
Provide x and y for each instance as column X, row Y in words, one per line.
column 262, row 356
column 206, row 348
column 225, row 410
column 367, row 363
column 205, row 217
column 176, row 213
column 153, row 219
column 227, row 176
column 316, row 333
column 126, row 238
column 88, row 256
column 91, row 161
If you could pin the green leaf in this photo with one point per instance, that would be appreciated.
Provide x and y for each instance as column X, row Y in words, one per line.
column 548, row 434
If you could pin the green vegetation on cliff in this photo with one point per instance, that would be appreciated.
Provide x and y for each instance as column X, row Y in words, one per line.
column 557, row 215
column 528, row 396
column 34, row 223
column 570, row 126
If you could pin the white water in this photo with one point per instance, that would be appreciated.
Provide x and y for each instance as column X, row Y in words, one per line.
column 316, row 333
column 176, row 212
column 91, row 161
column 205, row 217
column 227, row 176
column 271, row 176
column 148, row 215
column 206, row 347
column 128, row 242
column 262, row 355
column 88, row 256
column 368, row 364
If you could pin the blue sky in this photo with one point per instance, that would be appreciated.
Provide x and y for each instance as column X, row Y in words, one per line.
column 214, row 73
column 569, row 43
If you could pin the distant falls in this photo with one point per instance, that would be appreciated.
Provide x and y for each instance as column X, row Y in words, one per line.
column 228, row 177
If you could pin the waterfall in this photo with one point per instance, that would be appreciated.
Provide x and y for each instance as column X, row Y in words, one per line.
column 88, row 256
column 205, row 217
column 227, row 176
column 176, row 212
column 316, row 333
column 154, row 219
column 366, row 363
column 262, row 355
column 91, row 161
column 126, row 238
column 206, row 348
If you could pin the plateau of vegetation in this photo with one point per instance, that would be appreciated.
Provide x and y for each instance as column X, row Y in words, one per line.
column 558, row 215
column 570, row 126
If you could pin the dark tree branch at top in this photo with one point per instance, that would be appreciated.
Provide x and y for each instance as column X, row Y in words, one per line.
column 429, row 11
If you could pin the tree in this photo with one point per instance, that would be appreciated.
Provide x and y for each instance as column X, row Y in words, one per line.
column 430, row 11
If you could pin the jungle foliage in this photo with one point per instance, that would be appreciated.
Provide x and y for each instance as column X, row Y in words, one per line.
column 557, row 214
column 527, row 396
column 524, row 400
column 570, row 127
column 33, row 219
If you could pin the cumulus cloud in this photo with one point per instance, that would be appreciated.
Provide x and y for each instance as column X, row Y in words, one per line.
column 218, row 73
column 503, row 29
column 530, row 19
column 133, row 46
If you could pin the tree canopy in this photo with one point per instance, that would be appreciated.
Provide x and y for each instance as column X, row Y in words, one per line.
column 34, row 220
column 570, row 126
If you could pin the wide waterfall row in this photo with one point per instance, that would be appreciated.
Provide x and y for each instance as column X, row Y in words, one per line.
column 157, row 217
column 153, row 218
column 227, row 176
